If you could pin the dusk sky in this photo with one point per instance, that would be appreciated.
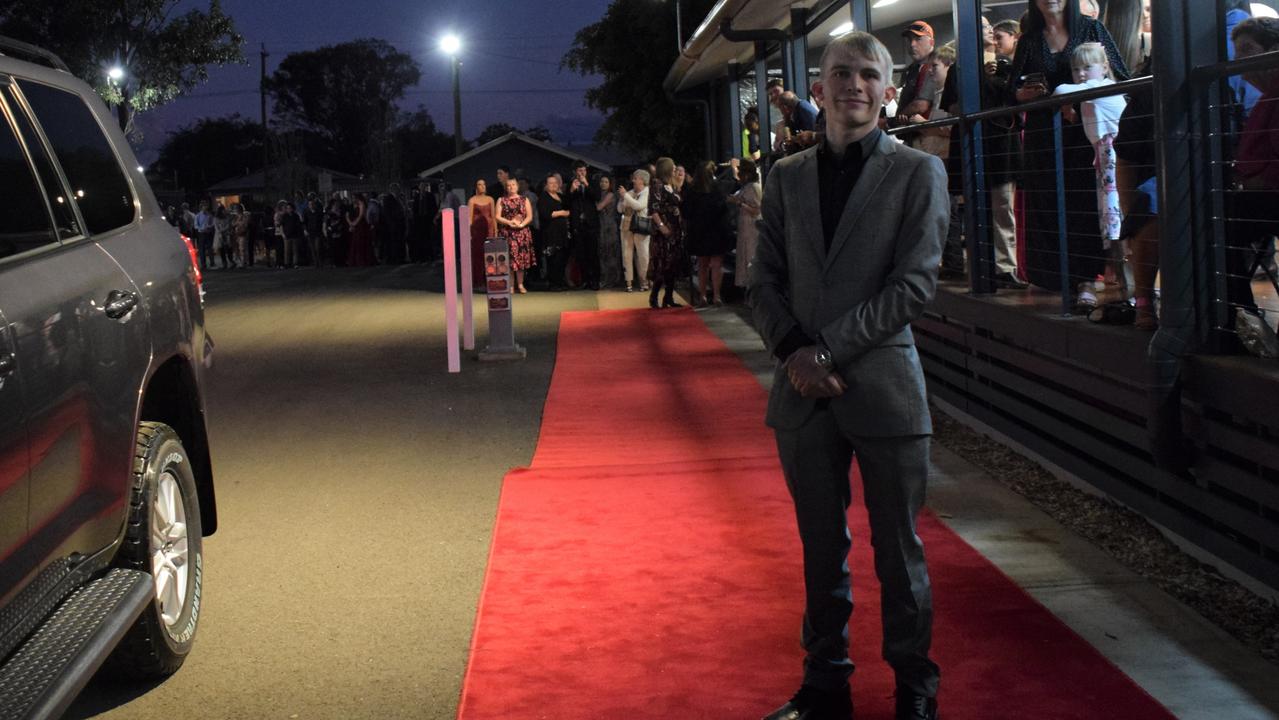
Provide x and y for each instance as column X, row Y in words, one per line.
column 510, row 60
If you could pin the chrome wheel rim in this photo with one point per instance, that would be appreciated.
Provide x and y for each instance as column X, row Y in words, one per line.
column 169, row 550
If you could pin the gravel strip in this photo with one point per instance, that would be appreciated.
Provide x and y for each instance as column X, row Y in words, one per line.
column 1127, row 536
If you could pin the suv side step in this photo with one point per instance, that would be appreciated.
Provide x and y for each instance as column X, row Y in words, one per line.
column 46, row 672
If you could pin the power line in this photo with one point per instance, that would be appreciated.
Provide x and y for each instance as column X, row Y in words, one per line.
column 509, row 91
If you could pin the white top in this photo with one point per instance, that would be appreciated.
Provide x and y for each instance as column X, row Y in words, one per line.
column 1101, row 116
column 629, row 203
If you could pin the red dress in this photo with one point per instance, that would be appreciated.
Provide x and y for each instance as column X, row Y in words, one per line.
column 360, row 253
column 520, row 240
column 483, row 227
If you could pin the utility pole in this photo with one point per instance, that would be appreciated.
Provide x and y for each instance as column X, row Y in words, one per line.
column 266, row 139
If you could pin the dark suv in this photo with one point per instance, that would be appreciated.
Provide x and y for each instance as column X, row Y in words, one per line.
column 105, row 482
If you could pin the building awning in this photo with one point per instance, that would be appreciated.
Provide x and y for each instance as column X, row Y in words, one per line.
column 707, row 55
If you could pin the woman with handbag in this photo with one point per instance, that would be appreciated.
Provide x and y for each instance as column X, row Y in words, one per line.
column 636, row 228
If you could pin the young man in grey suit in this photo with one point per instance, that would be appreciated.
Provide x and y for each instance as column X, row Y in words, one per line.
column 850, row 240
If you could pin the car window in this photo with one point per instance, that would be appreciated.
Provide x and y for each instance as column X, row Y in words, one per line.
column 100, row 187
column 63, row 214
column 24, row 219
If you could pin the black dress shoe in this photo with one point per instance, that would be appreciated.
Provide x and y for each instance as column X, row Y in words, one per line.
column 1009, row 282
column 812, row 703
column 915, row 707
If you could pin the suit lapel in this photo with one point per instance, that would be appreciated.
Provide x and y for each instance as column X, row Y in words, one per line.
column 810, row 204
column 873, row 173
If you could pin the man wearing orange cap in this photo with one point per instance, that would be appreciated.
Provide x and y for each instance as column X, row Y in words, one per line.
column 918, row 91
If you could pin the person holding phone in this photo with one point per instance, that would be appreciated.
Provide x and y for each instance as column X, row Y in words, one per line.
column 1052, row 31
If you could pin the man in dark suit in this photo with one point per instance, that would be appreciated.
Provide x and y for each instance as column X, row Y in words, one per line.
column 850, row 239
column 586, row 226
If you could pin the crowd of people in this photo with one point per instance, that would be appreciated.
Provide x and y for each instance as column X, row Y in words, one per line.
column 1055, row 48
column 344, row 229
column 644, row 233
column 588, row 232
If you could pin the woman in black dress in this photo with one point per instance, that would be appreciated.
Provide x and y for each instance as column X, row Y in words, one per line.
column 707, row 232
column 1052, row 31
column 553, row 216
column 667, row 257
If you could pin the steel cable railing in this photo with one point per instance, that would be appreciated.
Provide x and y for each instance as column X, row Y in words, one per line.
column 1064, row 245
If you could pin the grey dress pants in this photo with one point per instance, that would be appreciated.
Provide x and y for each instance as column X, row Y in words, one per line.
column 816, row 459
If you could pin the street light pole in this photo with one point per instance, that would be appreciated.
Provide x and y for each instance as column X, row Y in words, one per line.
column 457, row 106
column 452, row 46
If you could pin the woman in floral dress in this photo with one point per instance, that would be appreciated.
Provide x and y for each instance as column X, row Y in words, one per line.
column 514, row 213
column 667, row 257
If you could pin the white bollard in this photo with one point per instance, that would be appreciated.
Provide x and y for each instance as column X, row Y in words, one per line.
column 468, row 289
column 450, row 289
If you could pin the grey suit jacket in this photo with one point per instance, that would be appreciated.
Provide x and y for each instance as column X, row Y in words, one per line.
column 862, row 295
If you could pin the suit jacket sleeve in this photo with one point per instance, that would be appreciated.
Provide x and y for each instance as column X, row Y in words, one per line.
column 770, row 275
column 911, row 281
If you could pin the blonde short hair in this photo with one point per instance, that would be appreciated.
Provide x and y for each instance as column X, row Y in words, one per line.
column 865, row 45
column 1090, row 53
column 945, row 53
column 665, row 168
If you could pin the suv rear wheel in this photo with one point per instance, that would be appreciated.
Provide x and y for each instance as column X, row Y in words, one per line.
column 163, row 538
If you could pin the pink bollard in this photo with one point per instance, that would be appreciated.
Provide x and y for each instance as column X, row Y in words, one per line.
column 468, row 290
column 450, row 289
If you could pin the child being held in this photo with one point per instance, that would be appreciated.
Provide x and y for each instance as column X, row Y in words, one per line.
column 1101, row 125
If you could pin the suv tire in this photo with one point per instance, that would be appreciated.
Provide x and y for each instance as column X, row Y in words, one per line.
column 163, row 539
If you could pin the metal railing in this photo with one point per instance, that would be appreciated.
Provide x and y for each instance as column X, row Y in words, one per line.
column 1059, row 217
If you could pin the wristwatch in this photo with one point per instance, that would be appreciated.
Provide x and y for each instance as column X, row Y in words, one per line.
column 823, row 359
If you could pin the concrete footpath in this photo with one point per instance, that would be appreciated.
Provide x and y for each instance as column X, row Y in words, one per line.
column 1196, row 670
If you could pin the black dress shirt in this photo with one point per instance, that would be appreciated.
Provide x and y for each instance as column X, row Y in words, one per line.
column 836, row 178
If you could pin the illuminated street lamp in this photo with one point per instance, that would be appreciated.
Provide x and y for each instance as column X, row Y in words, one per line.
column 116, row 73
column 451, row 45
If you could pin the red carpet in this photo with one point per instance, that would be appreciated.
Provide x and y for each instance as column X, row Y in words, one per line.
column 647, row 565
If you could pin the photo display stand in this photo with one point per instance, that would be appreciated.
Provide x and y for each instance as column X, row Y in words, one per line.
column 497, row 278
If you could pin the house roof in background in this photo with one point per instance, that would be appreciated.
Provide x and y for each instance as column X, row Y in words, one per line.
column 513, row 137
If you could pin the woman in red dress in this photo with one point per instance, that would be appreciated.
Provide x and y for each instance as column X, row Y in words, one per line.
column 514, row 213
column 483, row 227
column 361, row 250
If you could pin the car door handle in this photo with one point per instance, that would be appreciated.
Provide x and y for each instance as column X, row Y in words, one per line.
column 119, row 303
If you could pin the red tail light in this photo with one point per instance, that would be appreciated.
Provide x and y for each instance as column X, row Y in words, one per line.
column 195, row 265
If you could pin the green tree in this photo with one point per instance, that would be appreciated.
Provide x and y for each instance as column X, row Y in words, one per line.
column 493, row 132
column 539, row 132
column 210, row 150
column 421, row 145
column 163, row 55
column 345, row 96
column 633, row 48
